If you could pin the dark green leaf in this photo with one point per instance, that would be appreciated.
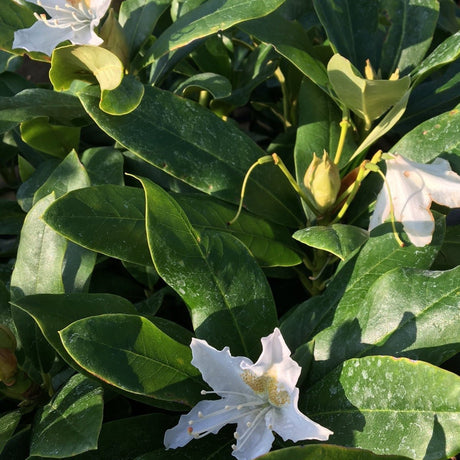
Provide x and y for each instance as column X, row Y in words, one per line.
column 13, row 16
column 392, row 406
column 217, row 85
column 104, row 165
column 116, row 212
column 431, row 138
column 207, row 19
column 192, row 144
column 131, row 353
column 406, row 312
column 55, row 312
column 390, row 33
column 124, row 98
column 227, row 294
column 11, row 218
column 70, row 423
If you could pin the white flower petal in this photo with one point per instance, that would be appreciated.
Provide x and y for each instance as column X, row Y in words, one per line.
column 220, row 370
column 100, row 7
column 259, row 441
column 86, row 36
column 275, row 360
column 182, row 433
column 41, row 38
column 291, row 424
column 382, row 209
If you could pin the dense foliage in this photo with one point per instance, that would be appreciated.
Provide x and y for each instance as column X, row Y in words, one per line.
column 121, row 234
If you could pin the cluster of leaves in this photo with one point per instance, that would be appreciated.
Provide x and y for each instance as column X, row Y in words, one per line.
column 115, row 246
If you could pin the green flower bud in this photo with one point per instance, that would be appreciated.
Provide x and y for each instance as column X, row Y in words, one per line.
column 322, row 181
column 7, row 339
column 8, row 366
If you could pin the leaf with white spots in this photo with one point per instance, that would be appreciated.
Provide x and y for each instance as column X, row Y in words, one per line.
column 392, row 406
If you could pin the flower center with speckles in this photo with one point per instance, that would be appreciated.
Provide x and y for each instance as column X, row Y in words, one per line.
column 266, row 385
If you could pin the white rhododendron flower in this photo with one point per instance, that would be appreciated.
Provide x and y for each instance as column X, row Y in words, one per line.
column 72, row 20
column 413, row 186
column 259, row 398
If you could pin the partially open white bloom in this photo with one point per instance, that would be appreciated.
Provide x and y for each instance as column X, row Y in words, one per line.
column 413, row 186
column 72, row 20
column 259, row 398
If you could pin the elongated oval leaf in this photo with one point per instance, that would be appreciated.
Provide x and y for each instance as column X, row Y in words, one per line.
column 390, row 406
column 70, row 423
column 228, row 296
column 53, row 312
column 440, row 134
column 192, row 144
column 116, row 212
column 341, row 240
column 406, row 312
column 8, row 423
column 207, row 19
column 131, row 353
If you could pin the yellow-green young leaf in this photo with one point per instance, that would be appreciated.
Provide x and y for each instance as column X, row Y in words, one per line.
column 88, row 63
column 369, row 99
column 124, row 98
column 54, row 140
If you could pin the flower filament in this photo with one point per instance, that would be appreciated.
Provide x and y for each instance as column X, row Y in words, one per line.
column 76, row 15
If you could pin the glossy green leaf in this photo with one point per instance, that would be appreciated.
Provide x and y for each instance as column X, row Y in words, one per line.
column 326, row 452
column 207, row 19
column 131, row 353
column 217, row 85
column 445, row 53
column 53, row 312
column 227, row 294
column 449, row 254
column 406, row 312
column 61, row 108
column 54, row 140
column 13, row 16
column 68, row 175
column 8, row 424
column 192, row 144
column 429, row 139
column 124, row 98
column 369, row 99
column 70, row 423
column 390, row 33
column 271, row 244
column 116, row 212
column 341, row 240
column 341, row 300
column 290, row 40
column 87, row 63
column 138, row 19
column 390, row 406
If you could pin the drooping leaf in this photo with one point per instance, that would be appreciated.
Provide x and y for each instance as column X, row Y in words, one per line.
column 192, row 144
column 406, row 312
column 339, row 239
column 70, row 423
column 131, row 353
column 391, row 406
column 87, row 63
column 217, row 85
column 124, row 98
column 207, row 19
column 227, row 294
